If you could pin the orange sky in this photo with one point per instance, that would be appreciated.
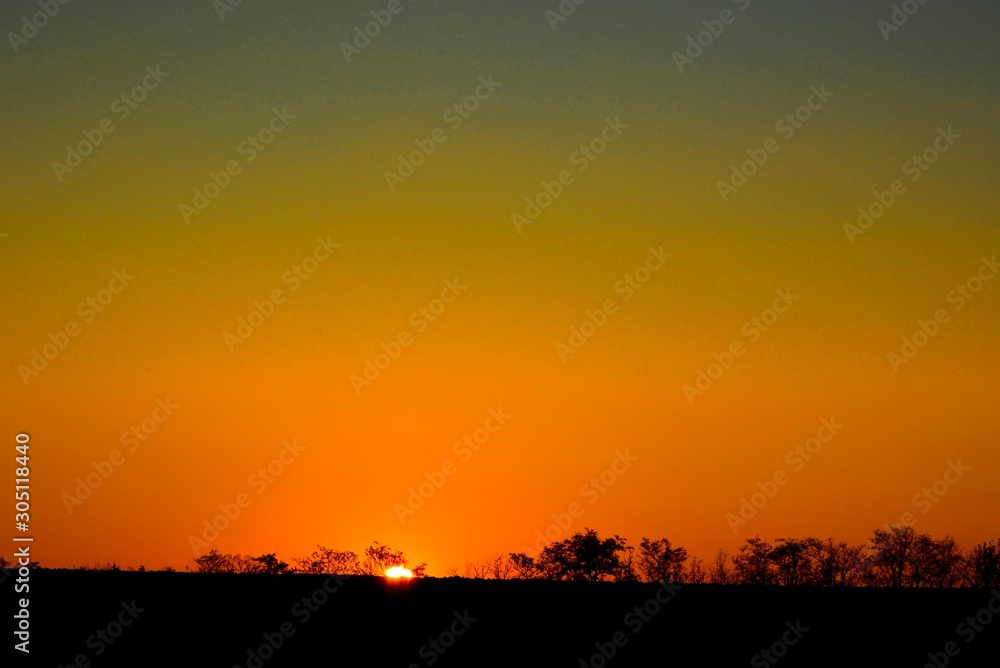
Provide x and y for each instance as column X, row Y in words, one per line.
column 637, row 265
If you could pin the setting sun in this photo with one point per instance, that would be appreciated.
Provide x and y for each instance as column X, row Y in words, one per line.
column 398, row 572
column 566, row 304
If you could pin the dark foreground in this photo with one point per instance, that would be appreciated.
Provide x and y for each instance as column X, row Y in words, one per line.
column 185, row 619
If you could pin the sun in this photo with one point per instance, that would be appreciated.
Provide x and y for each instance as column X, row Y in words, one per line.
column 398, row 572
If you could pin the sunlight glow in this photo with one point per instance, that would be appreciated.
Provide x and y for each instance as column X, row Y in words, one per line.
column 398, row 572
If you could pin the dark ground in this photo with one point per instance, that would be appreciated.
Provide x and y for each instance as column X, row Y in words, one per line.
column 189, row 619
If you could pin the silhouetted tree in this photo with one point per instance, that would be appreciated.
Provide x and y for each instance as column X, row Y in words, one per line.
column 625, row 571
column 940, row 563
column 501, row 567
column 835, row 564
column 585, row 556
column 659, row 561
column 243, row 563
column 983, row 565
column 213, row 562
column 524, row 566
column 721, row 571
column 900, row 557
column 476, row 570
column 380, row 558
column 221, row 562
column 326, row 560
column 752, row 565
column 792, row 561
column 497, row 567
column 695, row 573
column 270, row 564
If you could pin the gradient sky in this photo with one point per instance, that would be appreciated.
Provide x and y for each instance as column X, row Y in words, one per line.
column 495, row 346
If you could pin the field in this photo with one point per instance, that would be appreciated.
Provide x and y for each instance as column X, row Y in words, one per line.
column 186, row 619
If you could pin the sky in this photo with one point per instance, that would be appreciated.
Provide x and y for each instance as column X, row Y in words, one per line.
column 497, row 271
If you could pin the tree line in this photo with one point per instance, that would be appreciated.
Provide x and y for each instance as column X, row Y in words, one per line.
column 375, row 560
column 895, row 556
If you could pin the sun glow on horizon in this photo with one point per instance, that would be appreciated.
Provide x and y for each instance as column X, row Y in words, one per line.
column 398, row 572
